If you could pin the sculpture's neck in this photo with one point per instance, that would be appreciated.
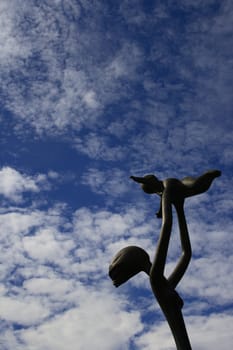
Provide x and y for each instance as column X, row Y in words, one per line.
column 147, row 268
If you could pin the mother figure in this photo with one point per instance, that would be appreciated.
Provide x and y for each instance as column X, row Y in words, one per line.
column 131, row 260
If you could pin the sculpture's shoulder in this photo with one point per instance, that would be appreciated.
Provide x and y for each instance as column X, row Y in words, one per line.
column 173, row 188
column 171, row 182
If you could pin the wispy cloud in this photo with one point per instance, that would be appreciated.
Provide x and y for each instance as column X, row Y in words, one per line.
column 171, row 94
column 204, row 335
column 110, row 182
column 53, row 265
column 13, row 184
column 54, row 272
column 133, row 88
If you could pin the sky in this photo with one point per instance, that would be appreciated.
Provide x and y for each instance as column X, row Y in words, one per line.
column 91, row 93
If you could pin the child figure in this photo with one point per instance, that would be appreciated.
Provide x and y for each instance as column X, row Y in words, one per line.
column 187, row 187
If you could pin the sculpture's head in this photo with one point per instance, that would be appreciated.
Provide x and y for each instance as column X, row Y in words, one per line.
column 127, row 263
column 149, row 183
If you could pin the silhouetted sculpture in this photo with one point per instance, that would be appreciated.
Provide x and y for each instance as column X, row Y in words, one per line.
column 127, row 263
column 189, row 186
column 131, row 260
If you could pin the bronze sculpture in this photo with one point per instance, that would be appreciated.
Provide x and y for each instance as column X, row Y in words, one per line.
column 131, row 260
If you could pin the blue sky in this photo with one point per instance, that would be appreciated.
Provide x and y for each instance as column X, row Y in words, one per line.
column 91, row 93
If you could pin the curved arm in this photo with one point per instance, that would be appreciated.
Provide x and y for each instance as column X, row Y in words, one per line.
column 183, row 263
column 200, row 184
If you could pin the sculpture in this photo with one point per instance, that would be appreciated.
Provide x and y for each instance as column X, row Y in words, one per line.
column 131, row 260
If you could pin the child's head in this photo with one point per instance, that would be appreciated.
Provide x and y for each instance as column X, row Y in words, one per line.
column 149, row 183
column 127, row 263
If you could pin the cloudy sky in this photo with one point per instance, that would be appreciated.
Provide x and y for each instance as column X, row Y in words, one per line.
column 91, row 93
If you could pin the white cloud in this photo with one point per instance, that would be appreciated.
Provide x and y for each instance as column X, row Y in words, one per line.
column 206, row 333
column 90, row 99
column 103, row 224
column 61, row 274
column 214, row 331
column 74, row 78
column 114, row 182
column 13, row 46
column 24, row 312
column 79, row 79
column 206, row 278
column 54, row 286
column 159, row 336
column 13, row 184
column 15, row 222
column 45, row 248
column 52, row 292
column 99, row 322
column 160, row 112
column 99, row 147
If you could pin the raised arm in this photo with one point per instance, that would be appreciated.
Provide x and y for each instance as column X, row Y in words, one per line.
column 198, row 185
column 185, row 258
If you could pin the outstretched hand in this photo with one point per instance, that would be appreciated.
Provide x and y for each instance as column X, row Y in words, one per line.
column 135, row 178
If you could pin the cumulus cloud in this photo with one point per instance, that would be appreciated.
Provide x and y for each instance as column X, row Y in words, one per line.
column 134, row 90
column 51, row 287
column 25, row 312
column 99, row 317
column 61, row 274
column 206, row 333
column 13, row 184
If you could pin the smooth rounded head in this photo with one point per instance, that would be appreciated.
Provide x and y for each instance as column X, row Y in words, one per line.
column 127, row 263
column 149, row 183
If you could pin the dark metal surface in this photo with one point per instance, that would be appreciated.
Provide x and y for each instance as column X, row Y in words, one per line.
column 131, row 260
